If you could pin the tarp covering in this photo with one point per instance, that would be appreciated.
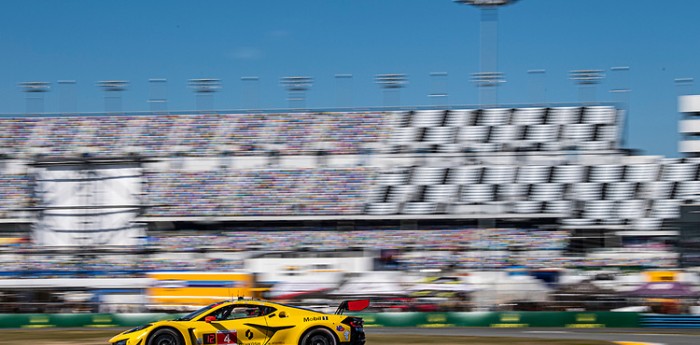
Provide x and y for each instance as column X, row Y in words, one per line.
column 666, row 289
column 88, row 206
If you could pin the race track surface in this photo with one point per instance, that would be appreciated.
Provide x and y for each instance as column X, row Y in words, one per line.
column 636, row 335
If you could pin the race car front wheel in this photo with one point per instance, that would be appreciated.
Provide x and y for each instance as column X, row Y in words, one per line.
column 165, row 336
column 319, row 336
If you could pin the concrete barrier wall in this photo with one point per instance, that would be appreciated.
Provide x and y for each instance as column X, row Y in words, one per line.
column 79, row 320
column 503, row 319
column 411, row 319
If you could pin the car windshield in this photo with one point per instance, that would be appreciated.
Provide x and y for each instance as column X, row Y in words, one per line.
column 191, row 315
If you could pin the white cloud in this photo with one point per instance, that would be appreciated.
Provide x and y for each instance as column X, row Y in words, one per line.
column 247, row 53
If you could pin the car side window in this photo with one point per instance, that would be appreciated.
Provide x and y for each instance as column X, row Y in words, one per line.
column 240, row 311
column 221, row 313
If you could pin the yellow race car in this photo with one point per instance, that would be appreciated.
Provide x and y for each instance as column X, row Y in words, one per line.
column 252, row 322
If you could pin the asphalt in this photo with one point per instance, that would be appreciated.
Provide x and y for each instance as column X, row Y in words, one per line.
column 643, row 335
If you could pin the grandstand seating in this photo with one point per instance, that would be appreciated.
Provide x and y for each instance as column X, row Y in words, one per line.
column 15, row 192
column 491, row 130
column 472, row 130
column 193, row 135
column 491, row 242
column 269, row 192
column 606, row 194
column 520, row 163
column 633, row 193
column 467, row 248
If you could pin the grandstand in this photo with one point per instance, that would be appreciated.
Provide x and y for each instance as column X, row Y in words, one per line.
column 535, row 173
column 473, row 207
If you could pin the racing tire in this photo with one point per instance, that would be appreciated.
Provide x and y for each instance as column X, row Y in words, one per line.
column 165, row 336
column 318, row 336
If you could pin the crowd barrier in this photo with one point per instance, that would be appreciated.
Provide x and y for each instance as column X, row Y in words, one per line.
column 408, row 319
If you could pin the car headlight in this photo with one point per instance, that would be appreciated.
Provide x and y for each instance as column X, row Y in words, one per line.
column 135, row 329
column 121, row 342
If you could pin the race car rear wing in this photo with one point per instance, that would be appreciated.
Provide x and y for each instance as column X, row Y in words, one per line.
column 352, row 305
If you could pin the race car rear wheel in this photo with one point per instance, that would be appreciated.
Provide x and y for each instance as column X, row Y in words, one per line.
column 318, row 336
column 165, row 336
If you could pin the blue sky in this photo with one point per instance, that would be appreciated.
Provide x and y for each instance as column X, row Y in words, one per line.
column 89, row 41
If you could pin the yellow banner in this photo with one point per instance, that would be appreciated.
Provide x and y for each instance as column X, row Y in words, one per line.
column 661, row 276
column 198, row 288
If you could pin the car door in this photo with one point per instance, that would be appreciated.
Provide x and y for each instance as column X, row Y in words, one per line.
column 283, row 329
column 235, row 324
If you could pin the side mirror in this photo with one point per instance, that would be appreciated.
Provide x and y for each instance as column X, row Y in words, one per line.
column 210, row 318
column 283, row 314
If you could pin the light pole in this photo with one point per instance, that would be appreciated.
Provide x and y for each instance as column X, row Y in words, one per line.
column 296, row 89
column 35, row 91
column 113, row 90
column 488, row 78
column 485, row 82
column 587, row 79
column 438, row 95
column 391, row 83
column 204, row 89
column 621, row 93
column 538, row 90
column 158, row 99
column 67, row 98
column 684, row 86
